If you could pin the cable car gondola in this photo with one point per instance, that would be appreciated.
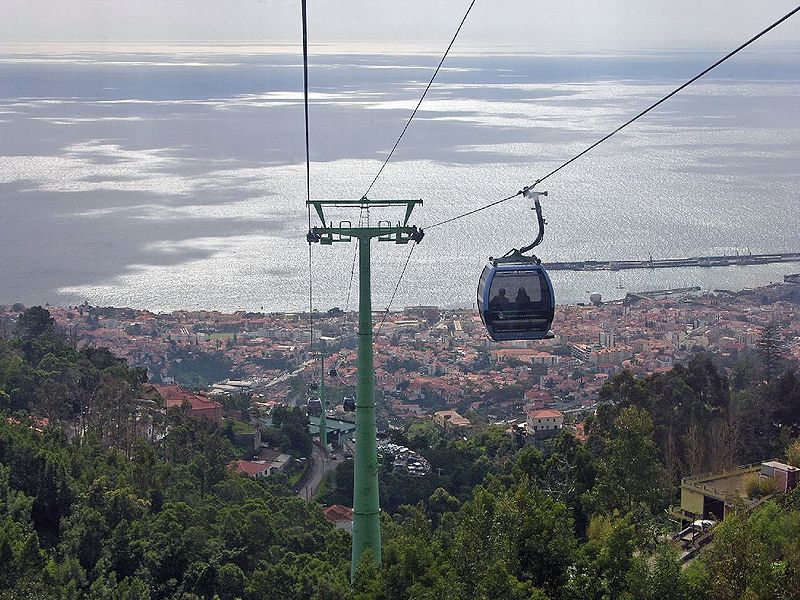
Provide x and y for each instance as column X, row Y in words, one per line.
column 516, row 300
column 349, row 404
column 314, row 406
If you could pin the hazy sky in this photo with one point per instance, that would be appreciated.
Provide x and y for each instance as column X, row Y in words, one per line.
column 590, row 25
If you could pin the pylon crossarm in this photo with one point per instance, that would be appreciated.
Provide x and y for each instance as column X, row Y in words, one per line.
column 364, row 203
column 398, row 234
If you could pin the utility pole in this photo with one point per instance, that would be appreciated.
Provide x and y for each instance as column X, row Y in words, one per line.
column 366, row 507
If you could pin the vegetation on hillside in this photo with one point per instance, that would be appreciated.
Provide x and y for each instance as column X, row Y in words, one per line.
column 90, row 509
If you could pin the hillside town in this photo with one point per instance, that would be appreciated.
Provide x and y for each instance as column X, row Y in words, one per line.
column 430, row 362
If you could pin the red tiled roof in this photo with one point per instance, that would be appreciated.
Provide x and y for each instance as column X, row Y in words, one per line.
column 249, row 467
column 338, row 513
column 536, row 394
column 545, row 414
column 175, row 395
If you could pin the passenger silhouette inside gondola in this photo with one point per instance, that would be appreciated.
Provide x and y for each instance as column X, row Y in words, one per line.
column 500, row 302
column 522, row 300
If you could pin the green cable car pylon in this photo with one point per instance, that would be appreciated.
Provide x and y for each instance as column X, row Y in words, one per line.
column 366, row 506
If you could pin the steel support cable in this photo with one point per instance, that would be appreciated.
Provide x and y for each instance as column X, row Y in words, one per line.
column 391, row 153
column 352, row 270
column 305, row 107
column 308, row 178
column 425, row 93
column 396, row 287
column 350, row 284
column 624, row 125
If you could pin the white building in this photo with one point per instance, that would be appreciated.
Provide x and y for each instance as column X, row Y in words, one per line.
column 544, row 422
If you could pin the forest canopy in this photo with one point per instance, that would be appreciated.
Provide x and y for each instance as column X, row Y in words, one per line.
column 90, row 508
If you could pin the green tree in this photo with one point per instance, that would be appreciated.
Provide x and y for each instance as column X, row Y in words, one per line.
column 771, row 348
column 754, row 556
column 34, row 322
column 293, row 422
column 423, row 434
column 793, row 453
column 231, row 580
column 785, row 398
column 735, row 561
column 440, row 503
column 629, row 472
column 520, row 531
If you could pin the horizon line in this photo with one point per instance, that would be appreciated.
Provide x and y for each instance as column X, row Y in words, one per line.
column 377, row 47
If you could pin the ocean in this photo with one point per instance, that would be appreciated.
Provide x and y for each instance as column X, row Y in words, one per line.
column 176, row 179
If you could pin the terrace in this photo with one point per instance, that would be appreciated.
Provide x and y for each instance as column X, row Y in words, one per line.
column 712, row 495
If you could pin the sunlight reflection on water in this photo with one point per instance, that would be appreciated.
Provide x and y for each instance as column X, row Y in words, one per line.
column 153, row 195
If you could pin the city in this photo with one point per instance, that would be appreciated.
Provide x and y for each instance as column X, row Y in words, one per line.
column 429, row 360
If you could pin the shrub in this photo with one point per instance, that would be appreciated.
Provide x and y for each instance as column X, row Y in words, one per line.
column 758, row 487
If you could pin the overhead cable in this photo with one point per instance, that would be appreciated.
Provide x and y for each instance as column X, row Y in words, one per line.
column 414, row 112
column 308, row 177
column 397, row 287
column 624, row 125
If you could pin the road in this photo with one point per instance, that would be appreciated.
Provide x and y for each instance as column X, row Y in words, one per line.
column 319, row 467
column 286, row 376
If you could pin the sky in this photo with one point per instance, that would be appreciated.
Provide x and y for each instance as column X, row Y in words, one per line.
column 518, row 25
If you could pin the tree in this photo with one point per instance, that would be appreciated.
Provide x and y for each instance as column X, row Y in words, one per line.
column 625, row 390
column 695, row 450
column 745, row 374
column 90, row 518
column 199, row 449
column 629, row 472
column 424, row 434
column 231, row 581
column 197, row 368
column 726, row 436
column 440, row 503
column 293, row 422
column 793, row 453
column 755, row 556
column 660, row 577
column 673, row 466
column 748, row 434
column 786, row 400
column 112, row 413
column 34, row 322
column 771, row 348
column 737, row 563
column 520, row 532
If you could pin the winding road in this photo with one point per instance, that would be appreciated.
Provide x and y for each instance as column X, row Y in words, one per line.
column 320, row 465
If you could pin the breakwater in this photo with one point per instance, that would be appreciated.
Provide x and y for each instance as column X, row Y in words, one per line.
column 668, row 263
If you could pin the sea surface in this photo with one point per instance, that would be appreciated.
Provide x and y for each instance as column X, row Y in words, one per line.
column 176, row 180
